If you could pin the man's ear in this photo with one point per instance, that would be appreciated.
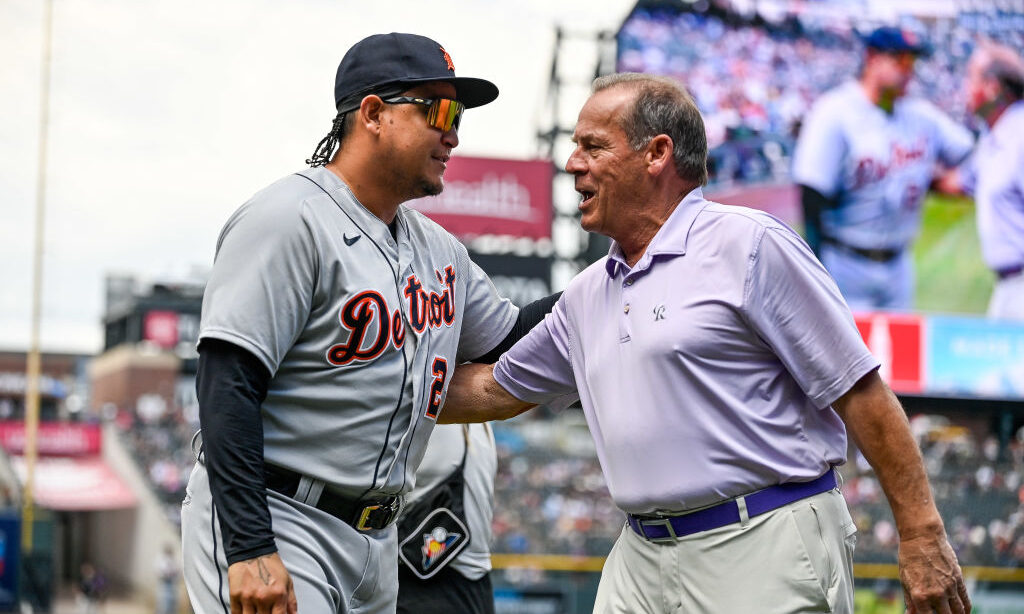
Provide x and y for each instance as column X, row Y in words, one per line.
column 370, row 113
column 659, row 154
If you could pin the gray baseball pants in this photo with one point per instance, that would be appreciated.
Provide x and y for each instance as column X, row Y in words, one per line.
column 334, row 568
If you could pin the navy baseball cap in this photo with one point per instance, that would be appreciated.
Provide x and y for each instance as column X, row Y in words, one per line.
column 889, row 39
column 384, row 60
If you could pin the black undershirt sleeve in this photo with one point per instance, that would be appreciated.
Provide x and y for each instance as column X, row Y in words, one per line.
column 529, row 316
column 231, row 384
column 813, row 203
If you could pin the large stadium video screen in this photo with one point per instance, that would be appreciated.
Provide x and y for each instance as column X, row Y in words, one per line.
column 755, row 76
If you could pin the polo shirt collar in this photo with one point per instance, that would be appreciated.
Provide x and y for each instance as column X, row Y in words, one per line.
column 670, row 239
column 1016, row 108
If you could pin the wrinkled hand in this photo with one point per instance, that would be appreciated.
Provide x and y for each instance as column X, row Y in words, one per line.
column 261, row 586
column 931, row 577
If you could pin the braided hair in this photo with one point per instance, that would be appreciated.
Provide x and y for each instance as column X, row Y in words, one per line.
column 325, row 148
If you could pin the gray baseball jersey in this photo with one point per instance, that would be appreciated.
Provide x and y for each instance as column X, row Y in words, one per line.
column 360, row 331
column 878, row 165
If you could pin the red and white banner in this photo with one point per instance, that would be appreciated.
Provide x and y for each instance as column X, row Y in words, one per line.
column 489, row 196
column 76, row 484
column 897, row 341
column 53, row 438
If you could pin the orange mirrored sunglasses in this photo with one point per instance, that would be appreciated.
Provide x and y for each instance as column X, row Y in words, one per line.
column 442, row 113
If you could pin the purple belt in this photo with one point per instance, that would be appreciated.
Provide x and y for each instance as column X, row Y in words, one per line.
column 1010, row 271
column 668, row 528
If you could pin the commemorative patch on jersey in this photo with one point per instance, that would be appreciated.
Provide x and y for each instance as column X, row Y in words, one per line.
column 434, row 543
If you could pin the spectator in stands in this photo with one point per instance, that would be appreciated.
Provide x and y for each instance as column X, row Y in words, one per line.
column 168, row 571
column 92, row 588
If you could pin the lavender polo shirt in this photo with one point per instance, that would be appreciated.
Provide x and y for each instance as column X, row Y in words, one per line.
column 707, row 370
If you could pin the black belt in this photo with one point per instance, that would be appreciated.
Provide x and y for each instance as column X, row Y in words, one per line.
column 875, row 255
column 1010, row 271
column 669, row 528
column 361, row 514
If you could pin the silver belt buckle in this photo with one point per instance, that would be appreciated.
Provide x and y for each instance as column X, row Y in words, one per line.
column 666, row 522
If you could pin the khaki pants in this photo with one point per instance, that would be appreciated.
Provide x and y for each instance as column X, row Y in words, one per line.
column 798, row 558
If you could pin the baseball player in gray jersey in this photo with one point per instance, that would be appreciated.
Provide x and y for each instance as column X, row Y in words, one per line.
column 864, row 160
column 331, row 322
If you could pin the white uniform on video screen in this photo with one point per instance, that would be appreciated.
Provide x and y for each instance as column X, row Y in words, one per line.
column 878, row 166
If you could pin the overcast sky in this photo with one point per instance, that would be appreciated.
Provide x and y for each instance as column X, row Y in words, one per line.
column 166, row 116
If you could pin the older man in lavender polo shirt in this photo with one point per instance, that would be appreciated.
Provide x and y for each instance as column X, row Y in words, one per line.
column 717, row 364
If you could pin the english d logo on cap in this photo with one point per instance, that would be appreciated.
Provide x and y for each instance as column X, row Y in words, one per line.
column 383, row 60
column 448, row 59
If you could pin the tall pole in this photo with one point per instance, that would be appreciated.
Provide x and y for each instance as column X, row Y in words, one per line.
column 33, row 368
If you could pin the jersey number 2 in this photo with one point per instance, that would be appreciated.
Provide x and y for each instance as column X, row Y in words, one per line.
column 440, row 371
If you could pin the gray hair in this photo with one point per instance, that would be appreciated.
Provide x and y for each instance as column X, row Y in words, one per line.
column 1005, row 65
column 663, row 106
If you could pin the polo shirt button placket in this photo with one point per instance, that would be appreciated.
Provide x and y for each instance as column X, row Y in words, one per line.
column 624, row 324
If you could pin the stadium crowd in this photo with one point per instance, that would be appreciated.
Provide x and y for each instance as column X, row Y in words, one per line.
column 160, row 442
column 978, row 486
column 549, row 501
column 551, row 496
column 552, row 503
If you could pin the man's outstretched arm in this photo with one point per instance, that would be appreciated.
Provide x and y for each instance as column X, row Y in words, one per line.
column 474, row 396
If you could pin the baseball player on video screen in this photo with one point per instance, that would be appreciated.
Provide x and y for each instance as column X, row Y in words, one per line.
column 864, row 160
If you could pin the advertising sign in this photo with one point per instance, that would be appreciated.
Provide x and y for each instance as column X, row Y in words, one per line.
column 493, row 196
column 508, row 600
column 161, row 327
column 53, row 438
column 897, row 341
column 170, row 329
column 975, row 357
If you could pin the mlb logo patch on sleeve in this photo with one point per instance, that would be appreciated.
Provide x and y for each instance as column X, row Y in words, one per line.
column 434, row 543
